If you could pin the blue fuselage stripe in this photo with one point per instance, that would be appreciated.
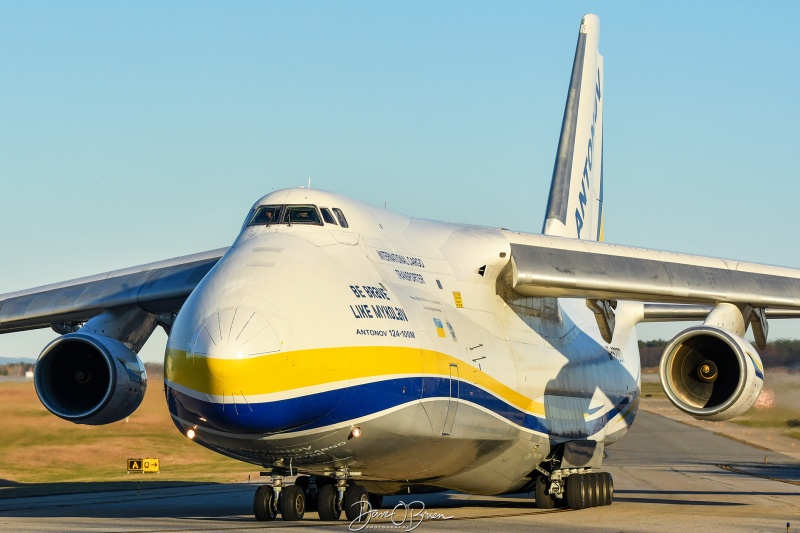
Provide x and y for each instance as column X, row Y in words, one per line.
column 332, row 407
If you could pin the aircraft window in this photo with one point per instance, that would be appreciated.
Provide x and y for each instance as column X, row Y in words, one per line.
column 266, row 215
column 248, row 218
column 327, row 217
column 301, row 214
column 340, row 216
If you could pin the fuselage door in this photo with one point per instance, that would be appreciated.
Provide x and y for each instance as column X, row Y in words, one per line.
column 452, row 404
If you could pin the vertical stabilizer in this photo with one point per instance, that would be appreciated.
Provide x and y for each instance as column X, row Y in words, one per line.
column 575, row 206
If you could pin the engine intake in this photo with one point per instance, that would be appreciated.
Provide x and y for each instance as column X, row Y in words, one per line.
column 89, row 379
column 711, row 373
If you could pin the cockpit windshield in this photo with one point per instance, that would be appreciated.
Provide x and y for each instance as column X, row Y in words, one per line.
column 267, row 215
column 301, row 214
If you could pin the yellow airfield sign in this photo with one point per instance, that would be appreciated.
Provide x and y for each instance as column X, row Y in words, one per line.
column 143, row 465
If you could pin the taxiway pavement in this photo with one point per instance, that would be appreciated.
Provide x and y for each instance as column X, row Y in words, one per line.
column 668, row 476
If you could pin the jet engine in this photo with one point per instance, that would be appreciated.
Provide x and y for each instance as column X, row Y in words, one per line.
column 89, row 379
column 711, row 373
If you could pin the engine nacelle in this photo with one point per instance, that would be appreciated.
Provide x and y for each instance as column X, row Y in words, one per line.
column 711, row 373
column 89, row 379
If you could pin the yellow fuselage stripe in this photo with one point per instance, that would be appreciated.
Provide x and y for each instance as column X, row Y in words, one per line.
column 286, row 371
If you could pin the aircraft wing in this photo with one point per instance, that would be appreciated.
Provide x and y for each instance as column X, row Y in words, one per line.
column 159, row 287
column 547, row 266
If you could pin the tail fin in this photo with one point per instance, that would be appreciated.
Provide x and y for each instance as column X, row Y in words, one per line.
column 575, row 206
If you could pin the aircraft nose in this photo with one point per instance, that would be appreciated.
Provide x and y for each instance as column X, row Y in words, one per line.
column 228, row 358
column 232, row 375
column 228, row 338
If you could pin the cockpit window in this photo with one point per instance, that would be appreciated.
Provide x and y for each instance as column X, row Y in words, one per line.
column 327, row 217
column 340, row 216
column 266, row 215
column 301, row 214
column 248, row 218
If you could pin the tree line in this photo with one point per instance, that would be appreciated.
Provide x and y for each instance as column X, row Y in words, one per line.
column 783, row 353
column 14, row 370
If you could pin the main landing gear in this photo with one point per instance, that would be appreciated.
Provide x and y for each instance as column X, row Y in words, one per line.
column 329, row 495
column 576, row 490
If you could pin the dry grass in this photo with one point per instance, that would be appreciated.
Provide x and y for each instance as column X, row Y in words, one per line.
column 778, row 406
column 652, row 390
column 36, row 446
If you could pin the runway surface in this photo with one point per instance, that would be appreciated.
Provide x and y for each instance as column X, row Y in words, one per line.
column 668, row 477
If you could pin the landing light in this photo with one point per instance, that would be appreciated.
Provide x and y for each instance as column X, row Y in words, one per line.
column 355, row 433
column 190, row 433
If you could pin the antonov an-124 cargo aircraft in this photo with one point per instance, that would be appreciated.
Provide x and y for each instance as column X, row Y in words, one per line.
column 366, row 353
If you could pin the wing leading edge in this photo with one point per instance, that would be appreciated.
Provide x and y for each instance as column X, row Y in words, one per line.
column 159, row 287
column 546, row 266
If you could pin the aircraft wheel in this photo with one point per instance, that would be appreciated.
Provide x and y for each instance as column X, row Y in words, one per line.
column 609, row 483
column 326, row 503
column 264, row 504
column 304, row 482
column 356, row 502
column 593, row 489
column 602, row 488
column 292, row 503
column 576, row 492
column 375, row 500
column 543, row 499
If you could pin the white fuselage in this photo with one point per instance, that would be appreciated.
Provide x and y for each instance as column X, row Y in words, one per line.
column 400, row 327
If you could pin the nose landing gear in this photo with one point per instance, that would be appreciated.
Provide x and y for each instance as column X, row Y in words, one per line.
column 264, row 504
column 292, row 503
column 356, row 502
column 337, row 496
column 289, row 500
column 329, row 506
column 333, row 495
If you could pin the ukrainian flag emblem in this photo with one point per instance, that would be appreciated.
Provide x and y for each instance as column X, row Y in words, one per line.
column 439, row 328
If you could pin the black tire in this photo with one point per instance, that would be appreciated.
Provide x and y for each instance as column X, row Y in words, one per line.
column 592, row 490
column 292, row 502
column 609, row 482
column 543, row 499
column 326, row 503
column 576, row 492
column 375, row 500
column 264, row 504
column 356, row 502
column 602, row 489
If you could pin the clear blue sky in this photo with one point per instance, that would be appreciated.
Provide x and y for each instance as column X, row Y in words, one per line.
column 133, row 132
